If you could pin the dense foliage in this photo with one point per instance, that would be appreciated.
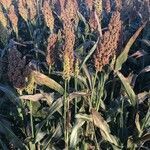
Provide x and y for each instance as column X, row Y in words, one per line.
column 74, row 74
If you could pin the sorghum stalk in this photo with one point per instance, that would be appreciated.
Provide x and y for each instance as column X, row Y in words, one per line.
column 65, row 115
column 76, row 81
column 93, row 88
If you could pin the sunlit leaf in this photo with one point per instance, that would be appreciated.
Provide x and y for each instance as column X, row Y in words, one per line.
column 74, row 134
column 124, row 55
column 137, row 123
column 42, row 79
column 56, row 105
column 99, row 122
column 90, row 53
column 127, row 88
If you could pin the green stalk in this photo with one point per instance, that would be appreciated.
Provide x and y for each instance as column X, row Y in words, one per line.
column 31, row 119
column 113, row 87
column 122, row 118
column 65, row 116
column 92, row 94
column 76, row 88
column 90, row 103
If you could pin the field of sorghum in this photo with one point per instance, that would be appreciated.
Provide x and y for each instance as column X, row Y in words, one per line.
column 74, row 74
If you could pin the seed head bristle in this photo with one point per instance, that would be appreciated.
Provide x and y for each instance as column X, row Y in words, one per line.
column 92, row 21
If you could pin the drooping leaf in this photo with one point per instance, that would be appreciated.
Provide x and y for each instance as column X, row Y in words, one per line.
column 124, row 55
column 81, row 17
column 99, row 122
column 36, row 97
column 42, row 79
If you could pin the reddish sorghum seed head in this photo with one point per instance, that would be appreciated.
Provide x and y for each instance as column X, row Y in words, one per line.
column 50, row 57
column 48, row 15
column 108, row 45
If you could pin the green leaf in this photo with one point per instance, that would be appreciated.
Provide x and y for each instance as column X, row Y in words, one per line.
column 127, row 88
column 99, row 122
column 56, row 135
column 11, row 136
column 74, row 134
column 10, row 94
column 56, row 105
column 81, row 17
column 124, row 55
column 89, row 54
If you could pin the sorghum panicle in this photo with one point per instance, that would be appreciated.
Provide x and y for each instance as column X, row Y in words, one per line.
column 48, row 15
column 118, row 4
column 98, row 7
column 107, row 48
column 69, row 12
column 23, row 11
column 107, row 6
column 50, row 57
column 32, row 10
column 17, row 69
column 89, row 3
column 6, row 3
column 76, row 68
column 68, row 16
column 13, row 18
column 68, row 52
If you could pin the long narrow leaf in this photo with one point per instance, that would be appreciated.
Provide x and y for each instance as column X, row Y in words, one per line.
column 89, row 54
column 127, row 88
column 124, row 55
